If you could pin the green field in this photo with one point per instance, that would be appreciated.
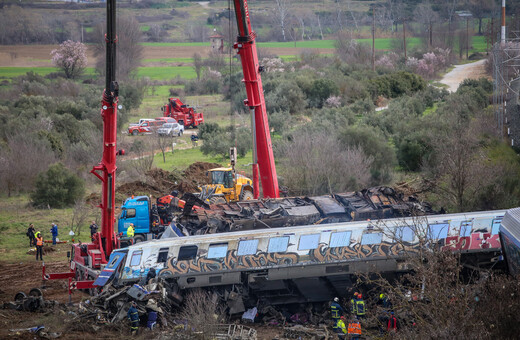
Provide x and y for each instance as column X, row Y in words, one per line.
column 176, row 44
column 166, row 72
column 181, row 159
column 169, row 60
column 11, row 72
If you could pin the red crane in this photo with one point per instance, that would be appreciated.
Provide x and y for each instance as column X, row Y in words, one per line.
column 263, row 159
column 87, row 258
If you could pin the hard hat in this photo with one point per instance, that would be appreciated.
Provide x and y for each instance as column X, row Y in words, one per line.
column 356, row 293
column 381, row 296
column 336, row 299
column 359, row 296
column 342, row 317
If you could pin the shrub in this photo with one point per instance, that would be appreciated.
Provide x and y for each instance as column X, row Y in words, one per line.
column 58, row 187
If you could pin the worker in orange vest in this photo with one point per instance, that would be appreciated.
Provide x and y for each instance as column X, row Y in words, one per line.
column 39, row 246
column 354, row 329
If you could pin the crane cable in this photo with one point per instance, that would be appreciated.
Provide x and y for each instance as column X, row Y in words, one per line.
column 232, row 116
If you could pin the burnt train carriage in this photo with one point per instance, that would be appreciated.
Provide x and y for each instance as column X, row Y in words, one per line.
column 309, row 263
column 372, row 203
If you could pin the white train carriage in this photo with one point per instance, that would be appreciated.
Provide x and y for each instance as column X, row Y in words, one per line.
column 510, row 240
column 309, row 260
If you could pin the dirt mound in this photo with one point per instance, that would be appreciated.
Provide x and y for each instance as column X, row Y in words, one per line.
column 196, row 172
column 160, row 182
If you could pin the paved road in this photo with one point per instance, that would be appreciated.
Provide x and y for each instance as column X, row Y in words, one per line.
column 460, row 72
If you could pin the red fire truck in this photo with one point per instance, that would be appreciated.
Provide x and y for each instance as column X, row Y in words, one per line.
column 182, row 113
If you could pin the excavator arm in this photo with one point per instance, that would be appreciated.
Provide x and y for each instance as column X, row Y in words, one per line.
column 263, row 161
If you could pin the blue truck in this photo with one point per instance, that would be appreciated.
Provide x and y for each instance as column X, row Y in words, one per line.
column 149, row 221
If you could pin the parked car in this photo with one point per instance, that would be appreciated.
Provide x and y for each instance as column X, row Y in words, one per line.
column 142, row 120
column 166, row 119
column 171, row 129
column 146, row 127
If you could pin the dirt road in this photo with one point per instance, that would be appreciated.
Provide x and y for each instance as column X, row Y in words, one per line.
column 460, row 72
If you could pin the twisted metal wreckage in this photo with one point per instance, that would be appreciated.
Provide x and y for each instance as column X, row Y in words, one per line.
column 368, row 204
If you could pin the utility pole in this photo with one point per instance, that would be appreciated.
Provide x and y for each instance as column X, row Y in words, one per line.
column 503, row 28
column 467, row 38
column 373, row 38
column 404, row 37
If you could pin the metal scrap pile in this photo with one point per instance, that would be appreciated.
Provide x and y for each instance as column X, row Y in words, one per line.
column 372, row 203
column 111, row 305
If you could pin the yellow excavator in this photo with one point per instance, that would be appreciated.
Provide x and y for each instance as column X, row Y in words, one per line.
column 226, row 185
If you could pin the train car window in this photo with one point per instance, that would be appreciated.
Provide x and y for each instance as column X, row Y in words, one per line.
column 278, row 244
column 136, row 258
column 309, row 242
column 465, row 228
column 340, row 239
column 496, row 225
column 163, row 255
column 404, row 234
column 217, row 251
column 438, row 231
column 187, row 253
column 247, row 247
column 372, row 238
column 130, row 213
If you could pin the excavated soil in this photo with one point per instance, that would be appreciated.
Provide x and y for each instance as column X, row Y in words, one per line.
column 161, row 182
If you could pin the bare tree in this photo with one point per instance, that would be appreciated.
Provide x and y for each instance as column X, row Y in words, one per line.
column 316, row 164
column 281, row 13
column 427, row 17
column 461, row 166
column 162, row 143
column 202, row 312
column 21, row 160
column 79, row 217
column 129, row 50
column 197, row 64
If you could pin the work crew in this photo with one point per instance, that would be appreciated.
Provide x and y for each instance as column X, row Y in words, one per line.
column 341, row 328
column 360, row 306
column 93, row 229
column 354, row 329
column 130, row 230
column 336, row 310
column 133, row 316
column 30, row 235
column 39, row 246
column 54, row 232
column 392, row 325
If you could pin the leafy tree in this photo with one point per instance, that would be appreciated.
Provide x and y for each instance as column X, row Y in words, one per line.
column 71, row 57
column 320, row 90
column 57, row 187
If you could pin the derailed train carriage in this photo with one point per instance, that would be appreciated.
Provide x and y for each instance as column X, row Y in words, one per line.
column 510, row 240
column 310, row 263
column 372, row 203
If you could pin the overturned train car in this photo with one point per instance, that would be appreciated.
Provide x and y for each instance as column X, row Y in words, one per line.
column 305, row 263
column 368, row 204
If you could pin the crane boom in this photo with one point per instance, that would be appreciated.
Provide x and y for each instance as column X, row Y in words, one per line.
column 109, row 115
column 264, row 159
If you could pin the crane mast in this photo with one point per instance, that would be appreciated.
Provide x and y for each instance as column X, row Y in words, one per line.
column 107, row 166
column 263, row 161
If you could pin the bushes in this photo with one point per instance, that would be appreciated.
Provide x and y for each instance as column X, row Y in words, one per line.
column 58, row 187
column 396, row 84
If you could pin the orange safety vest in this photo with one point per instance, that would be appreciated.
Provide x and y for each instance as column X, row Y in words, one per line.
column 354, row 328
column 39, row 241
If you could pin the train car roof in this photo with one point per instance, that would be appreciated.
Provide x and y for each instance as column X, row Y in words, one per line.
column 225, row 237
